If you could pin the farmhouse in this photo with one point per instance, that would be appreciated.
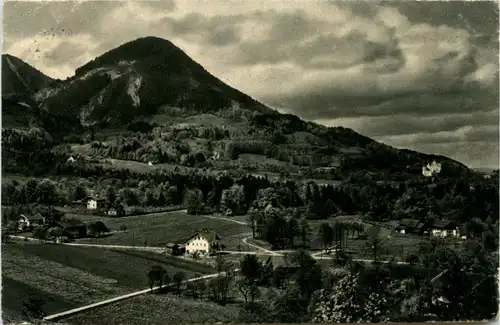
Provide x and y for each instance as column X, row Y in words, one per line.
column 94, row 203
column 436, row 228
column 71, row 159
column 28, row 222
column 410, row 226
column 73, row 228
column 174, row 249
column 441, row 228
column 204, row 243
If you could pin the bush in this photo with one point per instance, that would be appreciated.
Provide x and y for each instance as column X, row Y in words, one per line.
column 40, row 233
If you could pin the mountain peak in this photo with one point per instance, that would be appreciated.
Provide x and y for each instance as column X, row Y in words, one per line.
column 19, row 78
column 145, row 49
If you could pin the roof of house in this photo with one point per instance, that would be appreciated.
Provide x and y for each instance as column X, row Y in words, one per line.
column 409, row 223
column 96, row 199
column 440, row 224
column 208, row 235
column 35, row 217
column 70, row 223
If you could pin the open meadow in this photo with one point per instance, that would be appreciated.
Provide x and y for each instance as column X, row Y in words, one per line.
column 170, row 227
column 67, row 277
column 157, row 309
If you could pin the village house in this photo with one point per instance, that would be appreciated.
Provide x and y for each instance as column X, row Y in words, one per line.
column 29, row 222
column 410, row 226
column 73, row 228
column 71, row 159
column 174, row 249
column 204, row 243
column 95, row 203
column 115, row 210
column 436, row 228
column 442, row 228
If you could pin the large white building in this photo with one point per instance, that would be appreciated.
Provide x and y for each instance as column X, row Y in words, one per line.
column 203, row 243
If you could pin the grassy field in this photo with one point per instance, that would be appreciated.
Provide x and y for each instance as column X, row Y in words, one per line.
column 15, row 292
column 71, row 276
column 392, row 246
column 137, row 166
column 156, row 309
column 259, row 160
column 161, row 228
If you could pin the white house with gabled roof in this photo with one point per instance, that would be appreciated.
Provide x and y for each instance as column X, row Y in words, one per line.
column 204, row 243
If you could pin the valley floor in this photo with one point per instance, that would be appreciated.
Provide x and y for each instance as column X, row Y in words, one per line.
column 67, row 277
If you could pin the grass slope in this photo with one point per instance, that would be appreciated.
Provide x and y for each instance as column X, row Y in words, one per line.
column 67, row 276
column 15, row 292
column 167, row 227
column 156, row 309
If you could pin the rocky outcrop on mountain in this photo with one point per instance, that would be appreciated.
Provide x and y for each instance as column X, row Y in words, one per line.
column 138, row 79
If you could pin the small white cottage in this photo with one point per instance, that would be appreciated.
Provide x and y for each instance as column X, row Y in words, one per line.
column 94, row 203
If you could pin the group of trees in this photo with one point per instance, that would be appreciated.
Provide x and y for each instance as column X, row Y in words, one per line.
column 448, row 285
column 460, row 200
column 216, row 289
column 381, row 292
column 158, row 275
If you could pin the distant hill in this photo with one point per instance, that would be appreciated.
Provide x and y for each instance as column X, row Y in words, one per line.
column 19, row 78
column 149, row 82
column 20, row 82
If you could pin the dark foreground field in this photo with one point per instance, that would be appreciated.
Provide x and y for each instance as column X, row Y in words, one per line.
column 156, row 309
column 67, row 277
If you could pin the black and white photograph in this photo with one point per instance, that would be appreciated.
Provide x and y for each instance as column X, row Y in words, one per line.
column 249, row 161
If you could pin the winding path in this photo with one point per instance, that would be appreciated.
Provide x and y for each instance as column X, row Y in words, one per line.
column 160, row 249
column 226, row 219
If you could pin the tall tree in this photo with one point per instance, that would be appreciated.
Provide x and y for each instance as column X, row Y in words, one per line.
column 292, row 230
column 375, row 242
column 251, row 268
column 327, row 235
column 305, row 231
column 344, row 303
column 178, row 279
column 98, row 228
column 157, row 274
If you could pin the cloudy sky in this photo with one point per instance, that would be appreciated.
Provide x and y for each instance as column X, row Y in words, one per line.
column 412, row 74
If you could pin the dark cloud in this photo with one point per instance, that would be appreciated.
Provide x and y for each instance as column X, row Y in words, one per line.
column 475, row 154
column 295, row 37
column 324, row 105
column 217, row 31
column 477, row 16
column 406, row 124
column 293, row 26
